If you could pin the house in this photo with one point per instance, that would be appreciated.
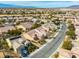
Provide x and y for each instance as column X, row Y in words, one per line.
column 75, row 51
column 20, row 27
column 63, row 53
column 6, row 28
column 27, row 37
column 16, row 42
column 24, row 26
column 34, row 32
column 2, row 54
column 34, row 20
column 19, row 45
column 38, row 32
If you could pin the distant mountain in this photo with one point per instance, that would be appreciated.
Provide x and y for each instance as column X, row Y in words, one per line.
column 14, row 6
column 74, row 6
column 2, row 5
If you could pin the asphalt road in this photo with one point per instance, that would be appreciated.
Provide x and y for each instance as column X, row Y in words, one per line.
column 50, row 47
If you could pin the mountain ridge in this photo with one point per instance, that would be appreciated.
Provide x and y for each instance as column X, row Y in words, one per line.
column 14, row 6
column 2, row 5
column 74, row 6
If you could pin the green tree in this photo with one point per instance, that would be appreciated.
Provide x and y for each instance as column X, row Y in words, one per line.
column 36, row 25
column 3, row 44
column 69, row 22
column 2, row 21
column 31, row 47
column 17, row 23
column 56, row 55
column 14, row 32
column 71, row 31
column 71, row 27
column 56, row 21
column 71, row 34
column 42, row 41
column 67, row 45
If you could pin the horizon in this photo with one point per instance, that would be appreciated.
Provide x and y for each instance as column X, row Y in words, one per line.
column 42, row 4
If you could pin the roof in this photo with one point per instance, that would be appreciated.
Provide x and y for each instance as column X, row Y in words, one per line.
column 65, row 53
column 1, row 55
column 20, row 26
column 17, row 42
column 26, row 36
column 27, row 24
column 75, row 51
column 6, row 28
column 40, row 31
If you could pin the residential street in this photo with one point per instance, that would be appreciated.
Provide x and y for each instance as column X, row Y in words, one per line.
column 50, row 47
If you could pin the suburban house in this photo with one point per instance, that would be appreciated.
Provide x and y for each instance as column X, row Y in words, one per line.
column 75, row 51
column 34, row 20
column 63, row 53
column 17, row 43
column 25, row 26
column 38, row 33
column 1, row 54
column 6, row 28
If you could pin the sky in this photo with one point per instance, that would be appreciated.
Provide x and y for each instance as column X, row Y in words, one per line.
column 42, row 4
